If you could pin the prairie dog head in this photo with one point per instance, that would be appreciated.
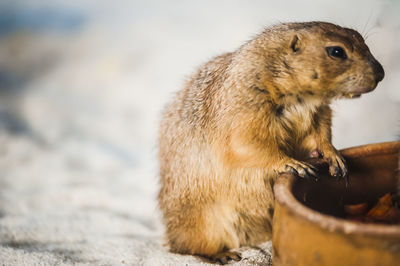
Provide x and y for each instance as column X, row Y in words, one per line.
column 317, row 58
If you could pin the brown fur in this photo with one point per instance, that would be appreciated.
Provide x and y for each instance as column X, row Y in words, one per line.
column 242, row 118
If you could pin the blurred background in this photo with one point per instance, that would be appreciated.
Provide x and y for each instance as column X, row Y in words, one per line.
column 82, row 86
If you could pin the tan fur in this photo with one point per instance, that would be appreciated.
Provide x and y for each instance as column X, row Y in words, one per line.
column 242, row 118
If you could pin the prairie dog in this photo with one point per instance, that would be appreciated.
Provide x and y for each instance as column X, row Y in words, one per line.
column 243, row 118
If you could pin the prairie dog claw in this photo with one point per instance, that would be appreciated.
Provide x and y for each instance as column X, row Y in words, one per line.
column 301, row 169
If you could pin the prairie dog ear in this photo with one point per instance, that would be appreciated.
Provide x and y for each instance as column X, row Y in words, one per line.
column 295, row 44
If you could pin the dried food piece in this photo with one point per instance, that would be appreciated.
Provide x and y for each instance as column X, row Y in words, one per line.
column 384, row 211
column 356, row 209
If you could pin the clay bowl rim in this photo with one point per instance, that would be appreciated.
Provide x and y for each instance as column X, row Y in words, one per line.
column 284, row 196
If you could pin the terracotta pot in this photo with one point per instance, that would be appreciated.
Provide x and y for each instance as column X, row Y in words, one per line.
column 308, row 228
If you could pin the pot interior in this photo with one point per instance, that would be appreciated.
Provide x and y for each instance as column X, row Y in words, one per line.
column 370, row 177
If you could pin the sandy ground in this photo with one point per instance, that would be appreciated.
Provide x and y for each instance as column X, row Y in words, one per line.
column 82, row 85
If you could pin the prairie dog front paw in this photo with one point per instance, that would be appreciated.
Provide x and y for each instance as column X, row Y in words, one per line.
column 337, row 164
column 301, row 169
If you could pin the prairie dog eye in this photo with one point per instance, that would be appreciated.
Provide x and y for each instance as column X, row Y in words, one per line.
column 336, row 51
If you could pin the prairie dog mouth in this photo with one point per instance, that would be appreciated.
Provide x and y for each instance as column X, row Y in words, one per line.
column 352, row 95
